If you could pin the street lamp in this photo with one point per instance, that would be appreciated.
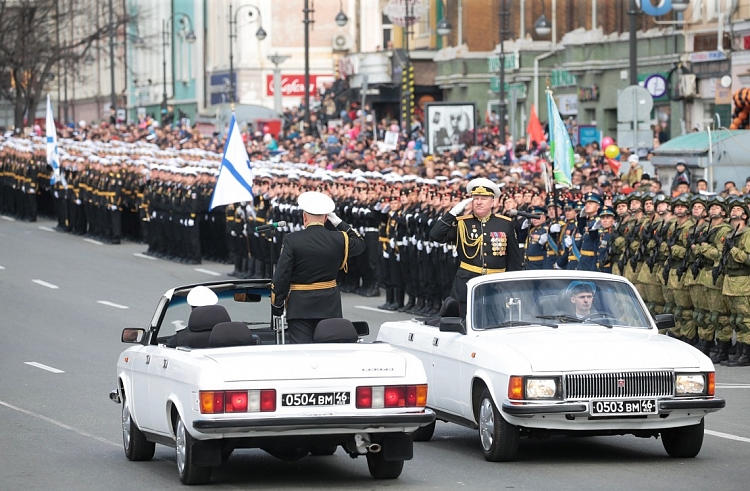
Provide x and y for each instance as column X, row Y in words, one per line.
column 260, row 34
column 277, row 60
column 504, row 31
column 166, row 33
column 543, row 26
column 341, row 17
column 443, row 27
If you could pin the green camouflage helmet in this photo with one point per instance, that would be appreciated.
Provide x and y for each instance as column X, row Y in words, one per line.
column 637, row 195
column 699, row 198
column 620, row 198
column 719, row 201
column 649, row 196
column 683, row 200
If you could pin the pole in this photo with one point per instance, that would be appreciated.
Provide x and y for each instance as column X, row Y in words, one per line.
column 364, row 115
column 307, row 22
column 503, row 31
column 633, row 12
column 231, row 56
column 164, row 65
column 112, row 95
column 276, row 88
column 409, row 13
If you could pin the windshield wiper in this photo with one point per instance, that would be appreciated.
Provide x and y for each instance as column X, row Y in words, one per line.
column 519, row 323
column 572, row 318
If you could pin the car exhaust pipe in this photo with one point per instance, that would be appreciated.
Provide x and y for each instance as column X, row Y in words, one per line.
column 374, row 448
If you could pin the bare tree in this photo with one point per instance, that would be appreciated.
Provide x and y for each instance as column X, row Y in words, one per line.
column 30, row 48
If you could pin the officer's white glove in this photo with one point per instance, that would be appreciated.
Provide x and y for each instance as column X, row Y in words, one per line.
column 233, row 233
column 456, row 210
column 555, row 266
column 419, row 246
column 543, row 239
column 554, row 228
column 190, row 222
column 78, row 202
column 405, row 241
column 386, row 255
column 244, row 230
column 334, row 219
column 413, row 240
column 56, row 195
column 568, row 241
column 393, row 243
column 153, row 213
column 455, row 253
column 597, row 225
column 113, row 208
column 525, row 224
column 445, row 248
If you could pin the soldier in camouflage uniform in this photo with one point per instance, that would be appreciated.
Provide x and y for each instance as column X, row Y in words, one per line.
column 685, row 328
column 618, row 239
column 699, row 209
column 649, row 276
column 736, row 286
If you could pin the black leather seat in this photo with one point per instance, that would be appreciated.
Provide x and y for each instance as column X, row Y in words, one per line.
column 335, row 331
column 547, row 305
column 232, row 334
column 202, row 321
column 449, row 308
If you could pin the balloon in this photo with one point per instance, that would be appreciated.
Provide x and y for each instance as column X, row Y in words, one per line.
column 607, row 141
column 612, row 151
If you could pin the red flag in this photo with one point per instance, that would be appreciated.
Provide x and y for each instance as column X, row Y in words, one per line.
column 534, row 128
column 614, row 164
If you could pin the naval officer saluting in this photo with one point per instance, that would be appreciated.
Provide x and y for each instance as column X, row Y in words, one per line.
column 309, row 262
column 486, row 242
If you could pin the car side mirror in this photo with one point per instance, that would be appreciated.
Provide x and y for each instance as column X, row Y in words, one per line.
column 664, row 321
column 132, row 335
column 362, row 327
column 452, row 324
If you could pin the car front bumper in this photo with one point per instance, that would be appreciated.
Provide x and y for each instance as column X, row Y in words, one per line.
column 582, row 409
column 323, row 424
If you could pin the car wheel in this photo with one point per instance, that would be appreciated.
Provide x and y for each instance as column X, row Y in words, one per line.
column 499, row 438
column 137, row 448
column 189, row 473
column 324, row 450
column 683, row 442
column 424, row 434
column 383, row 469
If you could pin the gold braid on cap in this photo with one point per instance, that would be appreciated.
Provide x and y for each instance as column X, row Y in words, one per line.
column 482, row 191
column 465, row 241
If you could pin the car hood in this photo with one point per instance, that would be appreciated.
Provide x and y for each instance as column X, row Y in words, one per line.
column 288, row 363
column 581, row 348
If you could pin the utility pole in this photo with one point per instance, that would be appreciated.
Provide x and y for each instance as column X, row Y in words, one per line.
column 112, row 95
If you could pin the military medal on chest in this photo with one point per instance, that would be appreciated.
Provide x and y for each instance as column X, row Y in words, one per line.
column 474, row 234
column 499, row 242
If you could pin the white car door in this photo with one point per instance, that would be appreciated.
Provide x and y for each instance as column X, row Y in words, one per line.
column 159, row 381
column 447, row 350
column 139, row 398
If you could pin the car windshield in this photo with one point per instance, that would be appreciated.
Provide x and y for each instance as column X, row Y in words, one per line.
column 556, row 301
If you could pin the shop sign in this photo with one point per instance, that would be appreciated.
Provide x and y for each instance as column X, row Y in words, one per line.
column 511, row 62
column 588, row 94
column 562, row 78
column 294, row 85
column 704, row 56
column 519, row 88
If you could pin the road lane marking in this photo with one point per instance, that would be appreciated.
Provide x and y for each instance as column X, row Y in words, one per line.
column 43, row 367
column 728, row 436
column 2, row 267
column 733, row 386
column 374, row 309
column 8, row 218
column 44, row 283
column 207, row 271
column 92, row 241
column 61, row 425
column 46, row 229
column 144, row 256
column 110, row 304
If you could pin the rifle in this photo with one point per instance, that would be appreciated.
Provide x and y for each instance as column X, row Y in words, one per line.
column 645, row 237
column 668, row 263
column 683, row 267
column 659, row 238
column 725, row 255
column 625, row 258
column 698, row 263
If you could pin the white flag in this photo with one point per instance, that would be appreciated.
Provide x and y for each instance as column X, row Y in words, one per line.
column 53, row 154
column 235, row 181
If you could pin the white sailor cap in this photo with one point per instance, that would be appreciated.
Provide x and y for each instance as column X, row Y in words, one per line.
column 315, row 203
column 201, row 296
column 481, row 186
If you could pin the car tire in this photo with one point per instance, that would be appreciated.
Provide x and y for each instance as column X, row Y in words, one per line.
column 324, row 450
column 683, row 442
column 188, row 472
column 424, row 434
column 137, row 448
column 499, row 439
column 383, row 469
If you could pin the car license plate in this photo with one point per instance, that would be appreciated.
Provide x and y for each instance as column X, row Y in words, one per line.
column 316, row 399
column 624, row 408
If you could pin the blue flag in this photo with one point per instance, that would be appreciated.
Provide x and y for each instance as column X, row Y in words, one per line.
column 235, row 181
column 560, row 146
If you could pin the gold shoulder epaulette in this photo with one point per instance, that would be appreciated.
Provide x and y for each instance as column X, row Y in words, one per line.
column 502, row 216
column 464, row 217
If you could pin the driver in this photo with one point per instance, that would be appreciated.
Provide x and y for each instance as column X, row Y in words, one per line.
column 199, row 296
column 581, row 294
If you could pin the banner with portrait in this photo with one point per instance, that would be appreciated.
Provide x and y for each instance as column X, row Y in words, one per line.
column 449, row 126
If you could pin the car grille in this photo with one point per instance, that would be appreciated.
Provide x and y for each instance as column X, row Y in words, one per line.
column 618, row 385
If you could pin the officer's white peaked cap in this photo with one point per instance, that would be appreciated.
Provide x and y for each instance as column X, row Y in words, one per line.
column 201, row 296
column 481, row 186
column 315, row 203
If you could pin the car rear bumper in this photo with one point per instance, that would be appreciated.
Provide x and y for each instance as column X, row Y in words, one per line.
column 582, row 408
column 336, row 424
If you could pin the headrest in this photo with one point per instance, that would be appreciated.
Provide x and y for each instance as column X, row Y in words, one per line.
column 206, row 317
column 450, row 308
column 232, row 334
column 335, row 331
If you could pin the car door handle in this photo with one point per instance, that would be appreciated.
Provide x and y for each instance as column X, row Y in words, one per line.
column 148, row 359
column 435, row 341
column 411, row 336
column 166, row 362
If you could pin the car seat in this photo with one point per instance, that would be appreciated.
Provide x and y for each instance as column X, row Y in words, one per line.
column 232, row 334
column 335, row 331
column 201, row 322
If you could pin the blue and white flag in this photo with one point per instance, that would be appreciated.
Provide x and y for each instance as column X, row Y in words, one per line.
column 53, row 154
column 235, row 181
column 560, row 146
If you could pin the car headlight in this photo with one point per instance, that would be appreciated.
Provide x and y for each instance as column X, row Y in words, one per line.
column 690, row 384
column 541, row 388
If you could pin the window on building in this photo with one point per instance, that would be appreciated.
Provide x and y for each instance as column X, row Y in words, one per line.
column 387, row 33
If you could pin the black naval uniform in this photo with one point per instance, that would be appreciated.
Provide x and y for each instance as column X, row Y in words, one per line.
column 484, row 246
column 306, row 274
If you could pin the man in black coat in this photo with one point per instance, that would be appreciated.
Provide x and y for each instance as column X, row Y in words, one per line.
column 485, row 243
column 309, row 262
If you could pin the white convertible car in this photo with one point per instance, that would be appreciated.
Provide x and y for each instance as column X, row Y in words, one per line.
column 229, row 385
column 559, row 352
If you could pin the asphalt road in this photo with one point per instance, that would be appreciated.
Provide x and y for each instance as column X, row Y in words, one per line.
column 65, row 300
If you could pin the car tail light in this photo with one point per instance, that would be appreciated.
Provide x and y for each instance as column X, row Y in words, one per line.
column 391, row 396
column 515, row 388
column 711, row 384
column 237, row 401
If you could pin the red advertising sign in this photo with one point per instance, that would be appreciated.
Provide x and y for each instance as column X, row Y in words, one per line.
column 294, row 85
column 746, row 42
